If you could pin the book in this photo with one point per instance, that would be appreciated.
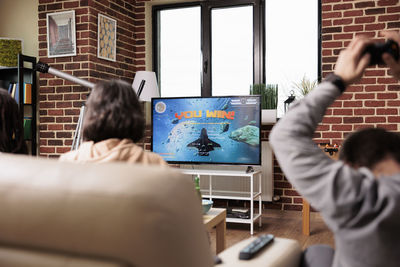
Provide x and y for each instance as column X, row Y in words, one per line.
column 27, row 93
column 16, row 97
column 10, row 87
column 27, row 128
column 14, row 86
column 241, row 213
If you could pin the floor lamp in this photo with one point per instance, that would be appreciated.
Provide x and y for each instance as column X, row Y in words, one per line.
column 146, row 87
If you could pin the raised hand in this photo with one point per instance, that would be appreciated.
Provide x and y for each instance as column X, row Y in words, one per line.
column 387, row 58
column 352, row 62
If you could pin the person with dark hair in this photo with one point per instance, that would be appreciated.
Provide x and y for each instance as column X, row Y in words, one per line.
column 113, row 122
column 363, row 212
column 11, row 125
column 373, row 148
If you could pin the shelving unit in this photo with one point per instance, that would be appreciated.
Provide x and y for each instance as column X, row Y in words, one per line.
column 24, row 73
column 221, row 194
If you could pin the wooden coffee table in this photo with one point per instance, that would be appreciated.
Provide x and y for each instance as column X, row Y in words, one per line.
column 216, row 217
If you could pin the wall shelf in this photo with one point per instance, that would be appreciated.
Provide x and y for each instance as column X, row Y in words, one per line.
column 21, row 75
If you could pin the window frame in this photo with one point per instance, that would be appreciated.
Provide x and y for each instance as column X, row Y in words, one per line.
column 258, row 38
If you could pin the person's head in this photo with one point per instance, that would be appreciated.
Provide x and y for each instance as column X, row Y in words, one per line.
column 11, row 125
column 113, row 111
column 374, row 148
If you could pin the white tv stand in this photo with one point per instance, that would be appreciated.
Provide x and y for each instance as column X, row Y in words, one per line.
column 251, row 196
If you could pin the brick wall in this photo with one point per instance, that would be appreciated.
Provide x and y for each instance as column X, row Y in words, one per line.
column 60, row 100
column 372, row 102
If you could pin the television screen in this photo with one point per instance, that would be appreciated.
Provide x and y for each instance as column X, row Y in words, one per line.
column 208, row 130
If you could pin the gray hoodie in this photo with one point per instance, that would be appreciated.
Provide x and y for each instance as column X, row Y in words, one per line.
column 363, row 212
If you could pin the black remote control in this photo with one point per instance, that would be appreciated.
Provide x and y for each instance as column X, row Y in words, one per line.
column 256, row 246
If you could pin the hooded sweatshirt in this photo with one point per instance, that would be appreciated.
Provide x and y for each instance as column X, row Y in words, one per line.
column 363, row 212
column 112, row 150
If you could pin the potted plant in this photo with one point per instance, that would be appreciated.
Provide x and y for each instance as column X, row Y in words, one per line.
column 305, row 85
column 269, row 101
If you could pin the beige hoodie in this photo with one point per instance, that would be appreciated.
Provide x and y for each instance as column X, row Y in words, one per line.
column 112, row 150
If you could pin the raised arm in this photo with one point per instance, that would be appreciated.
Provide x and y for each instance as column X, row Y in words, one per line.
column 324, row 182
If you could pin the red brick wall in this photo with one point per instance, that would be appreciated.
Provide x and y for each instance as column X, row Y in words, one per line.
column 373, row 102
column 60, row 100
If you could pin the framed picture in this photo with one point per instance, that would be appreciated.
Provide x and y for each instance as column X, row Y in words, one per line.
column 107, row 38
column 61, row 40
column 9, row 50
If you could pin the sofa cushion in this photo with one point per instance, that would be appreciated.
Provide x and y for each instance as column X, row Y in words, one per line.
column 142, row 215
column 12, row 257
column 281, row 252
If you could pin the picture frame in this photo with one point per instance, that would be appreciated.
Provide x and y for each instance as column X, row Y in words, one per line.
column 106, row 38
column 61, row 34
column 9, row 50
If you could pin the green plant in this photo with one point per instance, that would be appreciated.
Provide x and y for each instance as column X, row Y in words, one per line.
column 269, row 94
column 305, row 85
column 9, row 50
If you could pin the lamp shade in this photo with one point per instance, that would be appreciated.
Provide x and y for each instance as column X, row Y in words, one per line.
column 145, row 85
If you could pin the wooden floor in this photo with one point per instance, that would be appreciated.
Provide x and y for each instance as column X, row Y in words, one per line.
column 285, row 224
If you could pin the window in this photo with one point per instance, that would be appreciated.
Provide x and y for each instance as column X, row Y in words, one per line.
column 180, row 51
column 207, row 48
column 222, row 47
column 232, row 50
column 292, row 45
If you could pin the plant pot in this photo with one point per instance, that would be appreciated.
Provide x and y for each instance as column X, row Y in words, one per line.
column 268, row 116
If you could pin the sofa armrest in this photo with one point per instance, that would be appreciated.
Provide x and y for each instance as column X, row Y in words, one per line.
column 281, row 252
column 129, row 213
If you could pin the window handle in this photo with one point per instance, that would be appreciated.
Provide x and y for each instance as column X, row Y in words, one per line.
column 205, row 66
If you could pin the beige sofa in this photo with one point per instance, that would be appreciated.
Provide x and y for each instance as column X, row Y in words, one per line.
column 63, row 214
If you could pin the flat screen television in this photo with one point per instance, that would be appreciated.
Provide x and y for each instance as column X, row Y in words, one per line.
column 207, row 130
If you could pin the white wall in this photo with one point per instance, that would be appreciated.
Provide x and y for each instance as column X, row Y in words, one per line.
column 19, row 19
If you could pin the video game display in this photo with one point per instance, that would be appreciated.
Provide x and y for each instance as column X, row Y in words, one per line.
column 209, row 130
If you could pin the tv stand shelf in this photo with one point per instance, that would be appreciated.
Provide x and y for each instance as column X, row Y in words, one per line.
column 221, row 194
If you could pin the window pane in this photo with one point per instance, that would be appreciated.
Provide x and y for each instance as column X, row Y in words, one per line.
column 180, row 54
column 232, row 50
column 291, row 45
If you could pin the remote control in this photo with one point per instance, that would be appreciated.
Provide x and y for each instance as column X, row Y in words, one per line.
column 256, row 246
column 217, row 260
